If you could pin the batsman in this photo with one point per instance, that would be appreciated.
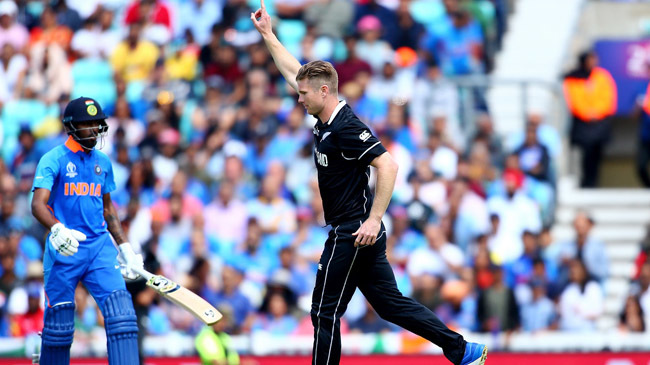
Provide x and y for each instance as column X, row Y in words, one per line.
column 72, row 198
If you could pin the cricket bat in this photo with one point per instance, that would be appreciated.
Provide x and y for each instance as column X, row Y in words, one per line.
column 179, row 295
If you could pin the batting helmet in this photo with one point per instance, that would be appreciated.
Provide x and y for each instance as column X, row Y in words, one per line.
column 85, row 110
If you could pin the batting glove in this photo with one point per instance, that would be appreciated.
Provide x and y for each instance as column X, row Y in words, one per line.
column 128, row 261
column 64, row 240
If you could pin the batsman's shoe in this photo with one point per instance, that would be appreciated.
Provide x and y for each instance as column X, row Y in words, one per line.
column 475, row 354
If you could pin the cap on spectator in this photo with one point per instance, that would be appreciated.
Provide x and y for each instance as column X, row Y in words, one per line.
column 169, row 136
column 513, row 176
column 234, row 148
column 405, row 57
column 368, row 22
column 8, row 7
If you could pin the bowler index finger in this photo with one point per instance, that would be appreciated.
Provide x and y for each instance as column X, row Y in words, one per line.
column 263, row 6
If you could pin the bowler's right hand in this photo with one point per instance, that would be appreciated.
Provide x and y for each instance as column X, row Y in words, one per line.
column 65, row 241
column 263, row 25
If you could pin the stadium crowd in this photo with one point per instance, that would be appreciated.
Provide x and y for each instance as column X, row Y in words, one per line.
column 213, row 163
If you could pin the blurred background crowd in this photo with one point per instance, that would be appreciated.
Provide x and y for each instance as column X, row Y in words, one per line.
column 212, row 158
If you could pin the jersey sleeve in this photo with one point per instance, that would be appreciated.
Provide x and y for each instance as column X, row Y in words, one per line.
column 357, row 142
column 46, row 172
column 109, row 183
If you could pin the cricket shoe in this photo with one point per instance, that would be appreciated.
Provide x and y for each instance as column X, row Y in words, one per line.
column 475, row 354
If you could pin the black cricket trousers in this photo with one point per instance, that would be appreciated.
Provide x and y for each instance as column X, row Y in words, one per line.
column 342, row 269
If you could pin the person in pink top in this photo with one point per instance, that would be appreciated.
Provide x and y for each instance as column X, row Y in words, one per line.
column 11, row 31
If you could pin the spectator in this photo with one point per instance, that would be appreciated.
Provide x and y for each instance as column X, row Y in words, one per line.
column 434, row 96
column 226, row 218
column 468, row 213
column 581, row 302
column 165, row 165
column 385, row 16
column 97, row 38
column 24, row 164
column 231, row 297
column 534, row 156
column 439, row 258
column 443, row 160
column 11, row 31
column 221, row 60
column 485, row 135
column 278, row 321
column 547, row 135
column 590, row 93
column 198, row 17
column 457, row 43
column 538, row 314
column 497, row 308
column 13, row 68
column 419, row 213
column 134, row 58
column 109, row 36
column 298, row 275
column 49, row 75
column 50, row 32
column 632, row 318
column 403, row 239
column 591, row 251
column 353, row 64
column 371, row 48
column 390, row 84
column 517, row 213
column 330, row 18
column 154, row 15
column 66, row 16
column 274, row 213
column 30, row 322
column 408, row 31
column 123, row 122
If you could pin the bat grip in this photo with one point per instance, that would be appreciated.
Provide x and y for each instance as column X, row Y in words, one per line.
column 144, row 273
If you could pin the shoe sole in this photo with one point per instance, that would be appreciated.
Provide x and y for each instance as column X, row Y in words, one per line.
column 481, row 360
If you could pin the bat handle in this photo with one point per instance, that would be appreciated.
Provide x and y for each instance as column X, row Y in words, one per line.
column 144, row 273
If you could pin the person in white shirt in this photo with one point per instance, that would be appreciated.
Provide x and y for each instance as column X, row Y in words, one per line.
column 581, row 302
column 439, row 258
column 517, row 213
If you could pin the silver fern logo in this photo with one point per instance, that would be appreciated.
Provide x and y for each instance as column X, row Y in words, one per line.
column 72, row 170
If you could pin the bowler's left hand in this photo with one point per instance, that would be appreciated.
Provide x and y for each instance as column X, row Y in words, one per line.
column 367, row 233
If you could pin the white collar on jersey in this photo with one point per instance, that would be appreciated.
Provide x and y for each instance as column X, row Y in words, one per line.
column 340, row 105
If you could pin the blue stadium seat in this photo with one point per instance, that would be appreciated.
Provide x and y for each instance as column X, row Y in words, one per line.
column 94, row 78
column 19, row 112
column 290, row 33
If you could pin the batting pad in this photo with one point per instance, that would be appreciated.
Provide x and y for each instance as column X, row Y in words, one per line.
column 58, row 331
column 121, row 329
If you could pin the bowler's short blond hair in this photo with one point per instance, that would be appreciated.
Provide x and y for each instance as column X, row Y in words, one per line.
column 320, row 73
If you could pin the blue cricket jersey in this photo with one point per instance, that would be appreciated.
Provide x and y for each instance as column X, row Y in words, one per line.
column 77, row 182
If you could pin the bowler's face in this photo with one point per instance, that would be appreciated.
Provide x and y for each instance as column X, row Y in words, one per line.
column 310, row 97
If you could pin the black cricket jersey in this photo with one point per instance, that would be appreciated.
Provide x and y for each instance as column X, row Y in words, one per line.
column 343, row 150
